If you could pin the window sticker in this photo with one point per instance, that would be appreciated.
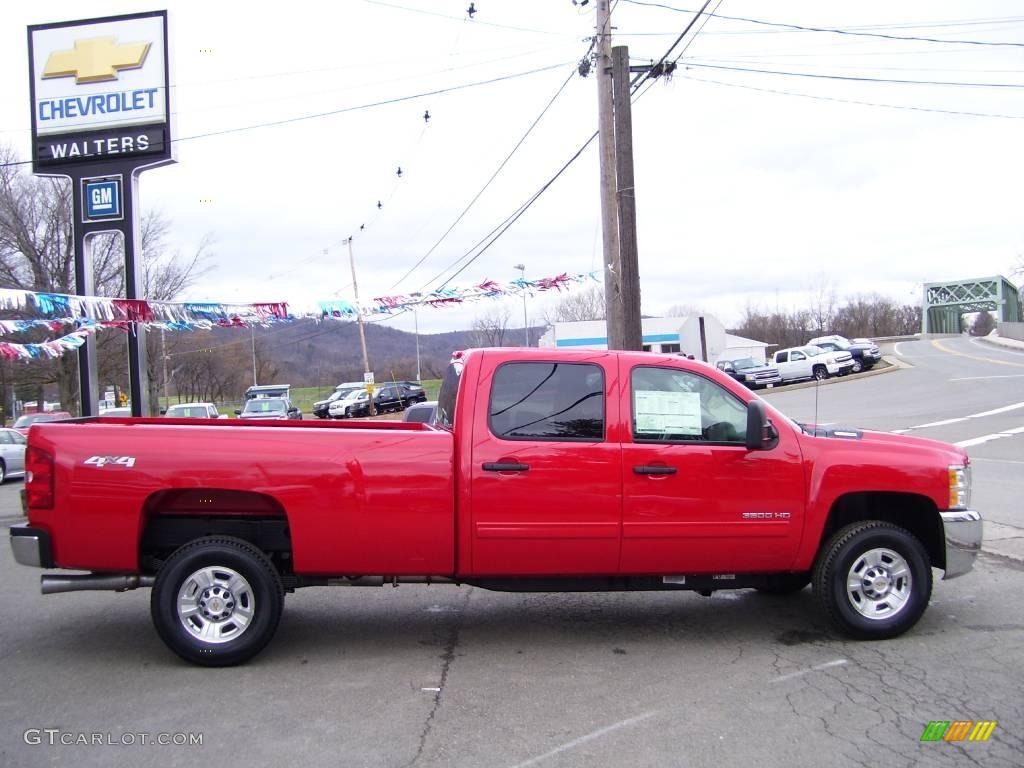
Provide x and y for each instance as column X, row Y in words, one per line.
column 658, row 413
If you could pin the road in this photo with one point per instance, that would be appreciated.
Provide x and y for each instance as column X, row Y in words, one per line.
column 442, row 676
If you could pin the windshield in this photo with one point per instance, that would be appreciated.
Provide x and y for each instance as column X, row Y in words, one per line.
column 813, row 351
column 33, row 418
column 188, row 411
column 745, row 362
column 355, row 394
column 266, row 405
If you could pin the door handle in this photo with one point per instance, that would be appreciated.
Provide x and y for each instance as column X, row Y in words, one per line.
column 501, row 466
column 654, row 470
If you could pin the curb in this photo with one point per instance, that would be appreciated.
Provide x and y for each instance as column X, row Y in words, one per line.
column 894, row 364
column 1002, row 343
column 1001, row 540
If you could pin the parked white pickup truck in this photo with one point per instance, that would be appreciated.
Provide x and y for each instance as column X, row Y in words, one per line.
column 811, row 362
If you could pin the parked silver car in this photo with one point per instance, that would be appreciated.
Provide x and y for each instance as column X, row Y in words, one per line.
column 12, row 454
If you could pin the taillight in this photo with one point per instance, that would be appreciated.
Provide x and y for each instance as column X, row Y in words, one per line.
column 39, row 485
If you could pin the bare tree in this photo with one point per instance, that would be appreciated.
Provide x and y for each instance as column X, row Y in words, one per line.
column 491, row 328
column 685, row 310
column 983, row 324
column 577, row 305
column 822, row 305
column 37, row 254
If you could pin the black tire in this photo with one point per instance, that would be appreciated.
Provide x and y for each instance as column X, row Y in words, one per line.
column 858, row 366
column 262, row 593
column 3, row 471
column 873, row 612
column 819, row 372
column 786, row 584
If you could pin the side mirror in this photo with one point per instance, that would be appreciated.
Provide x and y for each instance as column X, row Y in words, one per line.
column 163, row 411
column 238, row 411
column 761, row 433
column 293, row 409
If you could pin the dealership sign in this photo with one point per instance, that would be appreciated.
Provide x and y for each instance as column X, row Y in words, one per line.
column 99, row 91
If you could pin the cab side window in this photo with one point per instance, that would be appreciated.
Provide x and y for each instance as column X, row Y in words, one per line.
column 673, row 406
column 547, row 401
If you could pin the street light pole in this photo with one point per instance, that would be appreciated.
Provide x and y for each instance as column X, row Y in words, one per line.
column 526, row 323
column 252, row 338
column 416, row 322
column 359, row 320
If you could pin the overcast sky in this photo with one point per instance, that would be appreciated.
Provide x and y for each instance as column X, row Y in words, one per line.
column 751, row 188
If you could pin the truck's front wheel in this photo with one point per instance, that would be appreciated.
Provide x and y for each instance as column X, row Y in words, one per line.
column 873, row 580
column 217, row 601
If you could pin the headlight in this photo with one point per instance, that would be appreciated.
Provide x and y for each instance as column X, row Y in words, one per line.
column 749, row 377
column 959, row 486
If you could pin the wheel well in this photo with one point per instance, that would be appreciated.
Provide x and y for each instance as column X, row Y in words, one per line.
column 916, row 514
column 174, row 517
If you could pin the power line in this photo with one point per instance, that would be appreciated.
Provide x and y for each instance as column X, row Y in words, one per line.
column 658, row 67
column 854, row 101
column 851, row 78
column 370, row 105
column 503, row 227
column 489, row 181
column 461, row 18
column 832, row 30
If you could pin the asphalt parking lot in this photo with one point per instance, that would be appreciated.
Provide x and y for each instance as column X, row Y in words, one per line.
column 457, row 676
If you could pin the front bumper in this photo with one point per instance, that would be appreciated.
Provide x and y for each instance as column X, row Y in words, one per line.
column 963, row 540
column 31, row 546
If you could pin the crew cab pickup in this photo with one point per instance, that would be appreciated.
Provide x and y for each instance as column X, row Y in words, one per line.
column 544, row 471
column 810, row 362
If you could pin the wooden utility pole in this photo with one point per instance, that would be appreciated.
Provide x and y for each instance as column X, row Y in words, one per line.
column 606, row 148
column 629, row 267
column 359, row 320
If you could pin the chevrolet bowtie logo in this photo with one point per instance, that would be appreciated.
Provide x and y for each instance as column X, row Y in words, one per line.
column 95, row 60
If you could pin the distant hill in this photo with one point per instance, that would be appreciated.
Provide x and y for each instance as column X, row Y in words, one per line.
column 307, row 353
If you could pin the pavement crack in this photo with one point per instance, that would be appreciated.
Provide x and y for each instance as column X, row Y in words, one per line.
column 450, row 644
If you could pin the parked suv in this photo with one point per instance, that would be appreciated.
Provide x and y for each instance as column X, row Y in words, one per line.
column 748, row 371
column 810, row 362
column 321, row 408
column 193, row 411
column 269, row 408
column 354, row 403
column 865, row 353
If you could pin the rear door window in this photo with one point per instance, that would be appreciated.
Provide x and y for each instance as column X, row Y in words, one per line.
column 547, row 401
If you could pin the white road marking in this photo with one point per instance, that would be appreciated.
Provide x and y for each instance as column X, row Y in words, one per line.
column 801, row 673
column 987, row 438
column 896, row 348
column 975, row 460
column 431, row 690
column 584, row 739
column 944, row 422
column 986, row 378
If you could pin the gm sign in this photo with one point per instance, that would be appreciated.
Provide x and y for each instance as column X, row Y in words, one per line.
column 101, row 199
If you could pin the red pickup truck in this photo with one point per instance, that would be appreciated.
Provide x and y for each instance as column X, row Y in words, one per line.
column 545, row 471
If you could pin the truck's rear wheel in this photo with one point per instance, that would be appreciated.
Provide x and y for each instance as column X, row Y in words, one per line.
column 217, row 601
column 873, row 580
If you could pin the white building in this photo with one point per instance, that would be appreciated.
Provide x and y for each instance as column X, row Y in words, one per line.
column 661, row 334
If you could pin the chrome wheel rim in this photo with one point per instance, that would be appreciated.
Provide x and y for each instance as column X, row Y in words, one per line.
column 216, row 604
column 879, row 584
